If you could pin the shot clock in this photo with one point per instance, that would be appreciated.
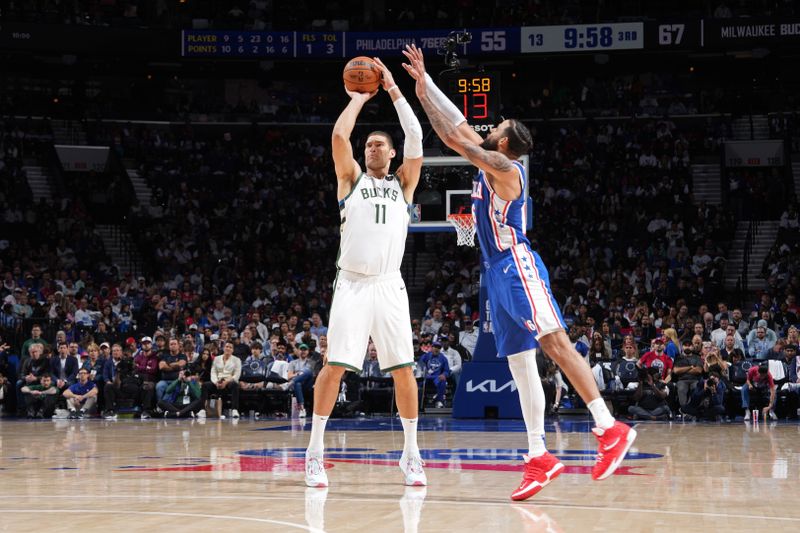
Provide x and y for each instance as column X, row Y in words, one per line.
column 476, row 94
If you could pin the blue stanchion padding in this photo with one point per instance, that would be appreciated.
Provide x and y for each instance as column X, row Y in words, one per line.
column 485, row 348
column 486, row 385
column 486, row 388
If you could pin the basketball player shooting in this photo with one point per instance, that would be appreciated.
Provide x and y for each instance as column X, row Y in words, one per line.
column 525, row 313
column 370, row 297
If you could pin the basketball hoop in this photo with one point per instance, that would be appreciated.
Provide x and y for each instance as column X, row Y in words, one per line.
column 465, row 228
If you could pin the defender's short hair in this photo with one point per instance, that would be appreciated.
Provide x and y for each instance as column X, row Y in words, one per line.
column 519, row 136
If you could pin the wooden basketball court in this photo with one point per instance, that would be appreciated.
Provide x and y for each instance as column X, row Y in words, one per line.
column 131, row 475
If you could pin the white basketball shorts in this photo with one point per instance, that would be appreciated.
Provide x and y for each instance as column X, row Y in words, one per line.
column 370, row 306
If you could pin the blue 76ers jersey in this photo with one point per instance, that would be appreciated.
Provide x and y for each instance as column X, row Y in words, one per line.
column 517, row 282
column 500, row 224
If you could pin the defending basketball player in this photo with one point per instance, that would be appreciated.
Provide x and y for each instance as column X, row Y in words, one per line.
column 525, row 313
column 370, row 297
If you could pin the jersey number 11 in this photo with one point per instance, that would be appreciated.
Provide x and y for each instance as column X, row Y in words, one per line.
column 380, row 214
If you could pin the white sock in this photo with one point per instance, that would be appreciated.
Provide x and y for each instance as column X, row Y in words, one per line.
column 602, row 416
column 316, row 444
column 531, row 398
column 410, row 446
column 536, row 446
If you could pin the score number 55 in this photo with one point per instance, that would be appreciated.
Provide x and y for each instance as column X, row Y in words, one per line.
column 493, row 41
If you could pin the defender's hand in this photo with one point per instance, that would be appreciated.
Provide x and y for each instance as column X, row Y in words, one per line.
column 416, row 66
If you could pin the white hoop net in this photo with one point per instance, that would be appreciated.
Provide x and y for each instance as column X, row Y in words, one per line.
column 465, row 228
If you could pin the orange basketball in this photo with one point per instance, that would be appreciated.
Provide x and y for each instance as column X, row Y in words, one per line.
column 361, row 75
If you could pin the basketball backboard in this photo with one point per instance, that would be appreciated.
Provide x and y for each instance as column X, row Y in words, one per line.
column 445, row 188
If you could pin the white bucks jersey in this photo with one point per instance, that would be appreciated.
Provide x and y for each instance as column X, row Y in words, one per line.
column 374, row 226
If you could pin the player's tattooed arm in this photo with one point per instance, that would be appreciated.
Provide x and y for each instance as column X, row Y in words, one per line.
column 495, row 160
column 488, row 160
column 443, row 127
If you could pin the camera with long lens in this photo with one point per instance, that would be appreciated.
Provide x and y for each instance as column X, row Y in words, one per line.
column 451, row 44
column 461, row 37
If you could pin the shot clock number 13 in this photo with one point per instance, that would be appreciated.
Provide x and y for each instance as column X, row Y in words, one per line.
column 476, row 95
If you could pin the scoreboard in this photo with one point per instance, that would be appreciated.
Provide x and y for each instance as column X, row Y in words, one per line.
column 476, row 94
column 630, row 37
column 339, row 44
column 285, row 44
column 485, row 41
column 575, row 38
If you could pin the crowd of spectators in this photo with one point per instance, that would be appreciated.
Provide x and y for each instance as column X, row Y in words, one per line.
column 629, row 250
column 616, row 223
column 18, row 140
column 648, row 95
column 239, row 240
column 214, row 279
column 35, row 234
column 780, row 266
column 786, row 126
column 758, row 193
column 632, row 256
column 217, row 203
column 172, row 377
column 727, row 366
column 359, row 15
column 605, row 93
column 163, row 96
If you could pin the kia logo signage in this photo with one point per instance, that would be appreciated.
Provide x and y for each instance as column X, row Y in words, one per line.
column 490, row 386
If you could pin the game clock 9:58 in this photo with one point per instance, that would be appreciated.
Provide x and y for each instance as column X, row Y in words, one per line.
column 582, row 37
column 475, row 94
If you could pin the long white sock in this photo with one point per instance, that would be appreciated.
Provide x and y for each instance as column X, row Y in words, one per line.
column 531, row 398
column 316, row 444
column 410, row 447
column 602, row 416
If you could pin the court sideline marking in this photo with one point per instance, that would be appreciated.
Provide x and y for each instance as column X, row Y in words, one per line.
column 379, row 500
column 160, row 513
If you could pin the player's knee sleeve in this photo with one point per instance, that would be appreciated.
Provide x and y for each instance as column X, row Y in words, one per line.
column 523, row 364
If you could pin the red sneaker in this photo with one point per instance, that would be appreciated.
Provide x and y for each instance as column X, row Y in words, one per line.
column 539, row 471
column 614, row 443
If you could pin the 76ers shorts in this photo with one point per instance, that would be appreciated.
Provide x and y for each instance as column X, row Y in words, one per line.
column 370, row 306
column 522, row 304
